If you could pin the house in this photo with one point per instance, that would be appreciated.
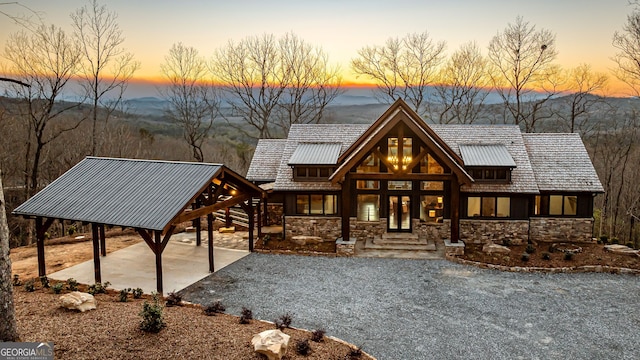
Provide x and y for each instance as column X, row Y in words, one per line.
column 442, row 183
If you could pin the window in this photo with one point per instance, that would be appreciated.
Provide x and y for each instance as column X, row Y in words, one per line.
column 399, row 185
column 316, row 204
column 431, row 208
column 488, row 206
column 306, row 173
column 498, row 175
column 429, row 165
column 432, row 185
column 556, row 205
column 367, row 184
column 392, row 152
column 368, row 207
column 369, row 165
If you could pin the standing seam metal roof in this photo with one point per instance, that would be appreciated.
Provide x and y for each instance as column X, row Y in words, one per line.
column 316, row 154
column 124, row 192
column 486, row 155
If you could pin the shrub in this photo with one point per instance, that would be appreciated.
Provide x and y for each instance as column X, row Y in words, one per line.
column 506, row 242
column 604, row 239
column 568, row 255
column 266, row 239
column 629, row 244
column 137, row 293
column 72, row 284
column 174, row 299
column 615, row 241
column 215, row 308
column 44, row 281
column 284, row 321
column 152, row 319
column 525, row 257
column 317, row 335
column 57, row 288
column 303, row 347
column 546, row 256
column 98, row 288
column 30, row 286
column 245, row 316
column 124, row 293
column 530, row 249
column 16, row 280
column 71, row 230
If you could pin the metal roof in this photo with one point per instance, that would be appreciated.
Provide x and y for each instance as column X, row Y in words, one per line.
column 486, row 155
column 134, row 193
column 316, row 154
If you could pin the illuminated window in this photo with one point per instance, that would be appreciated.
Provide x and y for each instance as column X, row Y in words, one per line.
column 368, row 207
column 556, row 205
column 399, row 185
column 316, row 204
column 488, row 206
column 432, row 185
column 429, row 165
column 371, row 164
column 431, row 208
column 367, row 184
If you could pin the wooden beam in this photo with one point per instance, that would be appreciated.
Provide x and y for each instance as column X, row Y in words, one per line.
column 147, row 238
column 259, row 218
column 210, row 240
column 210, row 209
column 103, row 242
column 400, row 147
column 40, row 245
column 96, row 253
column 166, row 238
column 408, row 176
column 217, row 193
column 415, row 161
column 158, row 244
column 384, row 160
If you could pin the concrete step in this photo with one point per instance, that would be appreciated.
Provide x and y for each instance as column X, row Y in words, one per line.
column 422, row 245
column 399, row 239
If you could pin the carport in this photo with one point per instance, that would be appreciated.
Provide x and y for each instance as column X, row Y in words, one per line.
column 151, row 196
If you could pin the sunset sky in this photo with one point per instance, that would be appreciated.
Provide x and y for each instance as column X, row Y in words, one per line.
column 584, row 28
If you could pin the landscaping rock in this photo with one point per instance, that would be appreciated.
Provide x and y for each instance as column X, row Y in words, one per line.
column 491, row 248
column 306, row 240
column 78, row 301
column 271, row 343
column 621, row 249
column 227, row 230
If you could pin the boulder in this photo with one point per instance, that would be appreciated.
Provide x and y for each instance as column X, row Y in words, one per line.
column 227, row 230
column 78, row 301
column 271, row 343
column 621, row 249
column 491, row 248
column 306, row 240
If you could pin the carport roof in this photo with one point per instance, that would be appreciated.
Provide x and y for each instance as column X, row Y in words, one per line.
column 146, row 194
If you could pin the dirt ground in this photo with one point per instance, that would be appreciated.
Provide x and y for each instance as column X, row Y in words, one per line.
column 591, row 254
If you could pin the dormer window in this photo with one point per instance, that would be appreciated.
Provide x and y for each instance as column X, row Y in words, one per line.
column 314, row 161
column 488, row 162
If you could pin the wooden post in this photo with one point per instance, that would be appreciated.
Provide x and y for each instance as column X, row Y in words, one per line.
column 455, row 210
column 346, row 207
column 227, row 217
column 265, row 211
column 259, row 218
column 96, row 253
column 198, row 229
column 251, row 225
column 103, row 243
column 158, row 252
column 210, row 240
column 40, row 245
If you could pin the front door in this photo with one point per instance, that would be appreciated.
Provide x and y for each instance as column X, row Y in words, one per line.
column 399, row 219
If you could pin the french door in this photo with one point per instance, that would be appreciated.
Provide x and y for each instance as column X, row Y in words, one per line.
column 399, row 219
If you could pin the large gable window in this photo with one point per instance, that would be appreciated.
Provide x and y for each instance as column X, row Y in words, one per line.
column 370, row 165
column 429, row 165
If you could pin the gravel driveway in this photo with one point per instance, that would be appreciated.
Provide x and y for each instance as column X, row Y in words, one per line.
column 434, row 309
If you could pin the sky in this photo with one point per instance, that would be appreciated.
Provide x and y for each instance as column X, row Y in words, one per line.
column 583, row 28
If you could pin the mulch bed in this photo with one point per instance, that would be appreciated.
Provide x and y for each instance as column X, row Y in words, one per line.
column 111, row 331
column 591, row 254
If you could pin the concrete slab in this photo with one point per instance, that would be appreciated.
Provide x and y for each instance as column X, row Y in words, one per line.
column 134, row 267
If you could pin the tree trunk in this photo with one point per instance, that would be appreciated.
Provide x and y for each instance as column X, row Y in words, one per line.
column 8, row 328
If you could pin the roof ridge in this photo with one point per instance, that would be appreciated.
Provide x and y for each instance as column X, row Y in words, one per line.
column 152, row 160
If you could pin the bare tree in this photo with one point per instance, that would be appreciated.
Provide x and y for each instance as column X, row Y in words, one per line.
column 8, row 328
column 522, row 59
column 193, row 103
column 463, row 86
column 46, row 60
column 402, row 68
column 273, row 82
column 106, row 67
column 582, row 84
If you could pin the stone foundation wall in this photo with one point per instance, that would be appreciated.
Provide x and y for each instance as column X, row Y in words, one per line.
column 561, row 229
column 435, row 231
column 482, row 231
column 274, row 214
column 327, row 228
column 363, row 230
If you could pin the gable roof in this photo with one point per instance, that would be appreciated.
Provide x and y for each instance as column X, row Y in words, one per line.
column 316, row 154
column 266, row 160
column 486, row 155
column 146, row 194
column 561, row 163
column 399, row 112
column 509, row 136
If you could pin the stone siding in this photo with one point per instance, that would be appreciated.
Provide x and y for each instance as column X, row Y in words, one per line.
column 482, row 231
column 363, row 230
column 274, row 214
column 327, row 228
column 432, row 231
column 561, row 229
